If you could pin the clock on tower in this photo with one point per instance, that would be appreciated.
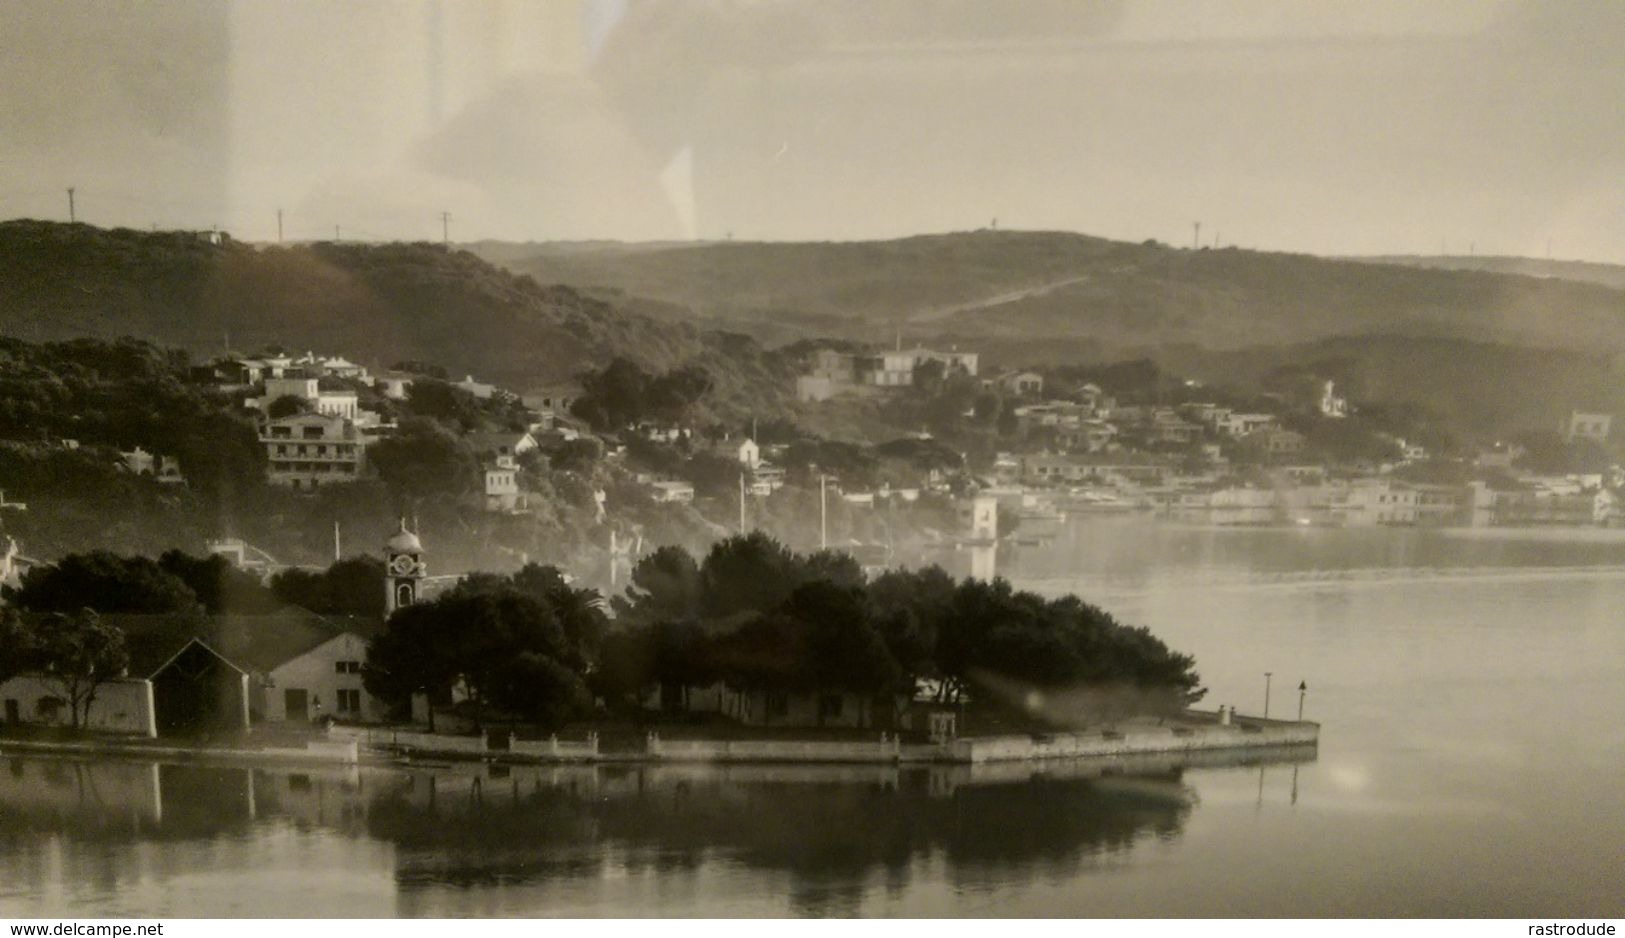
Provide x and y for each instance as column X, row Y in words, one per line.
column 403, row 569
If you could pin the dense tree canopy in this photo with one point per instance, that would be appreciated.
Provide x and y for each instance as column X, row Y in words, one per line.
column 519, row 645
column 353, row 586
column 103, row 582
column 622, row 393
column 757, row 615
column 424, row 459
column 220, row 586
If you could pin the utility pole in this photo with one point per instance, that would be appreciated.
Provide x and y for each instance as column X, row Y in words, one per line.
column 1196, row 240
column 335, row 232
column 823, row 514
column 1303, row 688
column 279, row 226
column 445, row 229
column 1267, row 694
column 72, row 215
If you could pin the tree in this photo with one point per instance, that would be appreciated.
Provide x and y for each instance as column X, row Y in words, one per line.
column 285, row 406
column 614, row 396
column 218, row 585
column 665, row 586
column 78, row 653
column 843, row 649
column 748, row 573
column 672, row 395
column 103, row 582
column 424, row 459
column 578, row 456
column 508, row 652
column 353, row 586
column 18, row 643
column 444, row 403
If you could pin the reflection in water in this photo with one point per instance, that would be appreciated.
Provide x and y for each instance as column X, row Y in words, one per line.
column 830, row 834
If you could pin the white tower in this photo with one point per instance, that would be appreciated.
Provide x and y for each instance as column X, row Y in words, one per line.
column 403, row 569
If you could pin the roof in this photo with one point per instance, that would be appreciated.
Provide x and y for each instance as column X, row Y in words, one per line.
column 404, row 541
column 248, row 642
column 486, row 441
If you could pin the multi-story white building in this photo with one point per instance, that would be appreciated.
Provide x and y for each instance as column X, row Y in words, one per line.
column 1584, row 426
column 306, row 451
column 334, row 402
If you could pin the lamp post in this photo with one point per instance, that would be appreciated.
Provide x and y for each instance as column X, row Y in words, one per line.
column 1303, row 688
column 1267, row 694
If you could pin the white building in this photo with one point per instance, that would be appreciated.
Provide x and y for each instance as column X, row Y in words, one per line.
column 502, row 492
column 335, row 402
column 1594, row 427
column 306, row 451
column 672, row 491
column 1232, row 424
column 479, row 389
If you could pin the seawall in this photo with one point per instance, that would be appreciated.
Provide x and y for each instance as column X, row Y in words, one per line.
column 1200, row 732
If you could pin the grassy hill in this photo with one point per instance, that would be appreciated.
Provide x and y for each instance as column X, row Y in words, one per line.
column 1608, row 275
column 1001, row 285
column 375, row 303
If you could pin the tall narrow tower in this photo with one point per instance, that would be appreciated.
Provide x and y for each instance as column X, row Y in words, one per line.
column 403, row 569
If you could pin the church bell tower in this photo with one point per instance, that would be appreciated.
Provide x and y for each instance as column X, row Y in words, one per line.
column 403, row 569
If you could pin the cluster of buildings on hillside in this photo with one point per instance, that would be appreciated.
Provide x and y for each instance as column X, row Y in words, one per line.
column 757, row 475
column 833, row 371
column 323, row 438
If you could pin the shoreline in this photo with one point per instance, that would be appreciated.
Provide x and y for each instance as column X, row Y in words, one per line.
column 382, row 746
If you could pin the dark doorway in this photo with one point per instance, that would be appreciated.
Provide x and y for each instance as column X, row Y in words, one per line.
column 296, row 703
column 13, row 711
column 198, row 691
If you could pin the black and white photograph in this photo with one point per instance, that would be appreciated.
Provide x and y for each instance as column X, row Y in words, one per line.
column 812, row 459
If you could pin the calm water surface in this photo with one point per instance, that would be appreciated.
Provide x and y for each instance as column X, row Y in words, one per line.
column 1471, row 687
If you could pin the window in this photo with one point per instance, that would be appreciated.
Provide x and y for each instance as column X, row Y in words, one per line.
column 778, row 705
column 349, row 700
column 830, row 706
column 347, row 667
column 313, row 433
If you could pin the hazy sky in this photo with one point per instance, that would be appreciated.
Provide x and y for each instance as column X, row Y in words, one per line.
column 1339, row 126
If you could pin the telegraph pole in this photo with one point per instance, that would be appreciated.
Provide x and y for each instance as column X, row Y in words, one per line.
column 1267, row 694
column 1196, row 240
column 279, row 226
column 1303, row 688
column 445, row 228
column 72, row 216
column 823, row 514
column 335, row 232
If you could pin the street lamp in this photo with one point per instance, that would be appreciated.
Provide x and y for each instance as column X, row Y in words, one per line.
column 1267, row 694
column 1303, row 688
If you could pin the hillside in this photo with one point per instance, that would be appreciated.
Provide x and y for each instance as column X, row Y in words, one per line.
column 998, row 285
column 374, row 303
column 1608, row 275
